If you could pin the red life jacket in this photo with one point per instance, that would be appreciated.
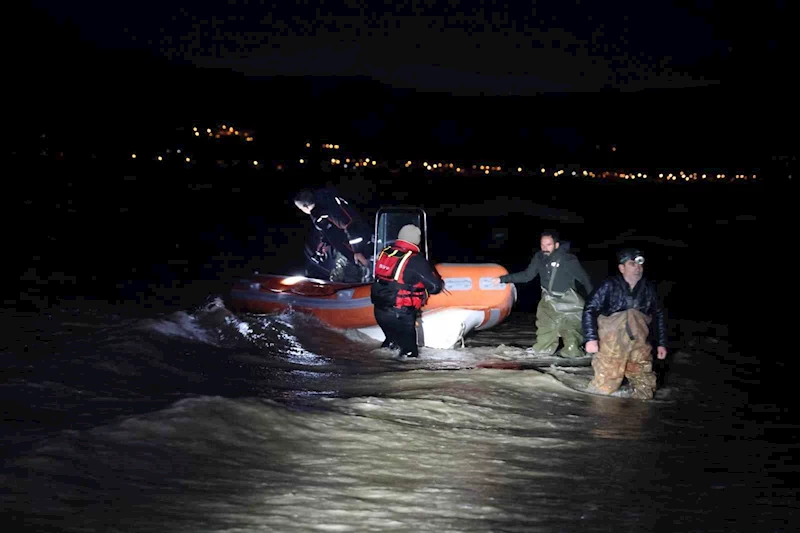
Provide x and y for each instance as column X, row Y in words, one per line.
column 389, row 269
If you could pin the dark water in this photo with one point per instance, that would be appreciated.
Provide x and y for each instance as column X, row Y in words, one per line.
column 126, row 234
column 204, row 421
column 128, row 409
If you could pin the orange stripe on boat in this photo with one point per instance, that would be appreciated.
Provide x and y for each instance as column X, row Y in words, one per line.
column 347, row 306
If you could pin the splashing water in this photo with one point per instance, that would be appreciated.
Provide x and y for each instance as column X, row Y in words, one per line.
column 209, row 421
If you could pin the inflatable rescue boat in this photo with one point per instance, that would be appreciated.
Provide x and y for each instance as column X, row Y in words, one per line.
column 469, row 302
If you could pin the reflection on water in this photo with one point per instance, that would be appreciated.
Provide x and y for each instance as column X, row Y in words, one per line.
column 219, row 423
column 622, row 420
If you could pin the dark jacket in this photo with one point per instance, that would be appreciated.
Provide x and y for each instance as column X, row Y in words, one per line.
column 417, row 270
column 615, row 295
column 340, row 225
column 569, row 271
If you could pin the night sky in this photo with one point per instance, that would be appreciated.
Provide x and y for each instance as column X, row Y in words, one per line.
column 463, row 48
column 500, row 77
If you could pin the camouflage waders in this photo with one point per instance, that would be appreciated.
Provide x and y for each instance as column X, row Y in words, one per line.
column 624, row 352
column 559, row 316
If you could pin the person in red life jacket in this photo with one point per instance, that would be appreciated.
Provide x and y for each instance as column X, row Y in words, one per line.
column 403, row 281
column 342, row 234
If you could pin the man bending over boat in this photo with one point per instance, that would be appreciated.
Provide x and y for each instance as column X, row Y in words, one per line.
column 616, row 323
column 403, row 281
column 342, row 233
column 558, row 315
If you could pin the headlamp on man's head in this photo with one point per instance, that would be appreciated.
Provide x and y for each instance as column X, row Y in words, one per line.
column 630, row 255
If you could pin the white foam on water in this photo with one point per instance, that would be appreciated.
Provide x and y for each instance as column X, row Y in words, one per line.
column 313, row 429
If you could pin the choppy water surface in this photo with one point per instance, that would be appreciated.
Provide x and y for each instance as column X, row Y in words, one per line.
column 202, row 421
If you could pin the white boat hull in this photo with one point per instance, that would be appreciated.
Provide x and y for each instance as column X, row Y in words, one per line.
column 441, row 328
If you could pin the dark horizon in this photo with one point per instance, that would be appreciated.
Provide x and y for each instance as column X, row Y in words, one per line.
column 80, row 87
column 124, row 232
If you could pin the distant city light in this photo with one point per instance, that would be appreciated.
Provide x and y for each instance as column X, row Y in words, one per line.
column 446, row 168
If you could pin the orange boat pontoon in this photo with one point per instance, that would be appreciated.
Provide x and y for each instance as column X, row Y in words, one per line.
column 470, row 301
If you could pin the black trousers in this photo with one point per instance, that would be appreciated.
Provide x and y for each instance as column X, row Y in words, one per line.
column 399, row 327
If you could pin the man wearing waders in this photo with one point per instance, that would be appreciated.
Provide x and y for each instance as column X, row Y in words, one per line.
column 559, row 312
column 626, row 304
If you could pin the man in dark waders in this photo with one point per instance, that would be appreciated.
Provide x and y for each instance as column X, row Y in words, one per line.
column 403, row 281
column 558, row 315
